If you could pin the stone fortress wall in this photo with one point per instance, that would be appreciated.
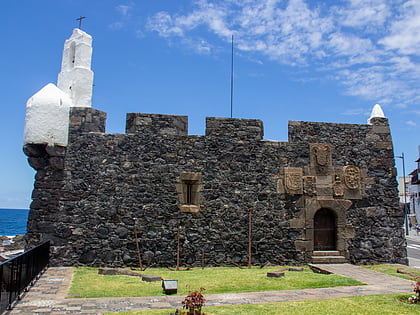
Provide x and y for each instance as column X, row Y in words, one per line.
column 90, row 196
column 331, row 187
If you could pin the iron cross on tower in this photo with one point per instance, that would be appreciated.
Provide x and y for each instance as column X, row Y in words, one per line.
column 80, row 21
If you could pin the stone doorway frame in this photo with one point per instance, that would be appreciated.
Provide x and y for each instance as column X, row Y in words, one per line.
column 305, row 222
column 339, row 208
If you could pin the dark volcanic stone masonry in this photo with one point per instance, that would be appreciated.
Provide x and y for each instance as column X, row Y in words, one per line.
column 330, row 187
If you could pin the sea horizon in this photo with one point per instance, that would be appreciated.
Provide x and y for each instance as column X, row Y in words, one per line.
column 13, row 221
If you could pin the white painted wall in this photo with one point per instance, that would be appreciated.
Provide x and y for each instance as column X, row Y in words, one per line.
column 47, row 117
column 76, row 77
column 47, row 111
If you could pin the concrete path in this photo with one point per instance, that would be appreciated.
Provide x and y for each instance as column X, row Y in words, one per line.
column 48, row 296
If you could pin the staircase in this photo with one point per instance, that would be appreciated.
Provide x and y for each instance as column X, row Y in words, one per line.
column 327, row 257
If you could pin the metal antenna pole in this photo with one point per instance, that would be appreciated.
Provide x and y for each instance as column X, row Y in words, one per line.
column 231, row 84
column 405, row 195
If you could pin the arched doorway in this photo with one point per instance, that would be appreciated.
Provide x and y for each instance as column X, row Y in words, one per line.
column 325, row 230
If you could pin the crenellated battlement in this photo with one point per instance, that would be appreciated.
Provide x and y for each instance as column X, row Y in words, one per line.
column 93, row 120
column 234, row 128
column 156, row 124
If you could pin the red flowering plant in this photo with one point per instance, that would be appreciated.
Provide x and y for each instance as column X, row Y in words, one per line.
column 415, row 298
column 194, row 301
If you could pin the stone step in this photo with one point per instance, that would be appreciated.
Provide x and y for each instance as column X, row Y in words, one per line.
column 328, row 259
column 325, row 253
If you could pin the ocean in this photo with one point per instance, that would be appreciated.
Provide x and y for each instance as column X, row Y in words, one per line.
column 13, row 221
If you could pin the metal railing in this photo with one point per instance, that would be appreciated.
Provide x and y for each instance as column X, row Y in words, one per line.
column 18, row 273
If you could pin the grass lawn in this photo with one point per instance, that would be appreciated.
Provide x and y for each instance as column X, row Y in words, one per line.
column 392, row 270
column 359, row 305
column 87, row 283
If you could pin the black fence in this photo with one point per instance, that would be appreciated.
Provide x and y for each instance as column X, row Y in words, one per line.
column 18, row 273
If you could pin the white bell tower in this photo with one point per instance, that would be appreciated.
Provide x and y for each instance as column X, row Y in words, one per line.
column 76, row 77
column 47, row 111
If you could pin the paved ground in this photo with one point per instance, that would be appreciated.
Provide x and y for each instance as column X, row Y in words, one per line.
column 48, row 296
column 413, row 248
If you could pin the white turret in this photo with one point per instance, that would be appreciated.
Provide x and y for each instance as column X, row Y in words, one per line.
column 47, row 117
column 377, row 112
column 76, row 77
column 47, row 111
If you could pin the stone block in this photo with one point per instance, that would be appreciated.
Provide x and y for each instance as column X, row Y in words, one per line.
column 34, row 150
column 324, row 191
column 55, row 150
column 189, row 208
column 375, row 212
column 149, row 278
column 384, row 145
column 353, row 194
column 37, row 163
column 280, row 186
column 57, row 163
column 303, row 245
column 324, row 181
column 275, row 274
column 297, row 223
column 381, row 129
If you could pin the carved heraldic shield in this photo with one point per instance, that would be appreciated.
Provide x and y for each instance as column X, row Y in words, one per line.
column 322, row 154
column 293, row 181
column 352, row 177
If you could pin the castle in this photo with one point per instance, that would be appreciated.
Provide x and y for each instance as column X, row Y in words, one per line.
column 228, row 196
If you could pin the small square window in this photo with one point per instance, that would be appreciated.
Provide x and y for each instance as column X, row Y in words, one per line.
column 188, row 190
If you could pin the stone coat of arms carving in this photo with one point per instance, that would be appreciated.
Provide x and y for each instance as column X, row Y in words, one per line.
column 293, row 180
column 309, row 185
column 352, row 177
column 322, row 154
column 338, row 188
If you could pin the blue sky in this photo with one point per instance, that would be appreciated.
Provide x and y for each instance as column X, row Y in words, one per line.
column 326, row 61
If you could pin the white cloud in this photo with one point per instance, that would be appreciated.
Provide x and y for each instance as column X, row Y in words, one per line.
column 164, row 24
column 367, row 45
column 124, row 9
column 367, row 14
column 411, row 123
column 124, row 15
column 405, row 30
column 116, row 25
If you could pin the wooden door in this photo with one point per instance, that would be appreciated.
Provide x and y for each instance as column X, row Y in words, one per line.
column 325, row 232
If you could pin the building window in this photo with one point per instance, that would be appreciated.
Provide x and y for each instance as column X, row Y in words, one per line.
column 188, row 189
column 72, row 54
column 189, row 193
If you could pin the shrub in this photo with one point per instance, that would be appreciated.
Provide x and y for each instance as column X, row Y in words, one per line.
column 194, row 301
column 414, row 299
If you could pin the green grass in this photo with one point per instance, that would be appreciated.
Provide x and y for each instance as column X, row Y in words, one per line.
column 358, row 305
column 392, row 270
column 87, row 283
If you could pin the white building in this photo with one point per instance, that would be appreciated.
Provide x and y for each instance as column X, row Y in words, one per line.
column 415, row 190
column 47, row 111
column 404, row 192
